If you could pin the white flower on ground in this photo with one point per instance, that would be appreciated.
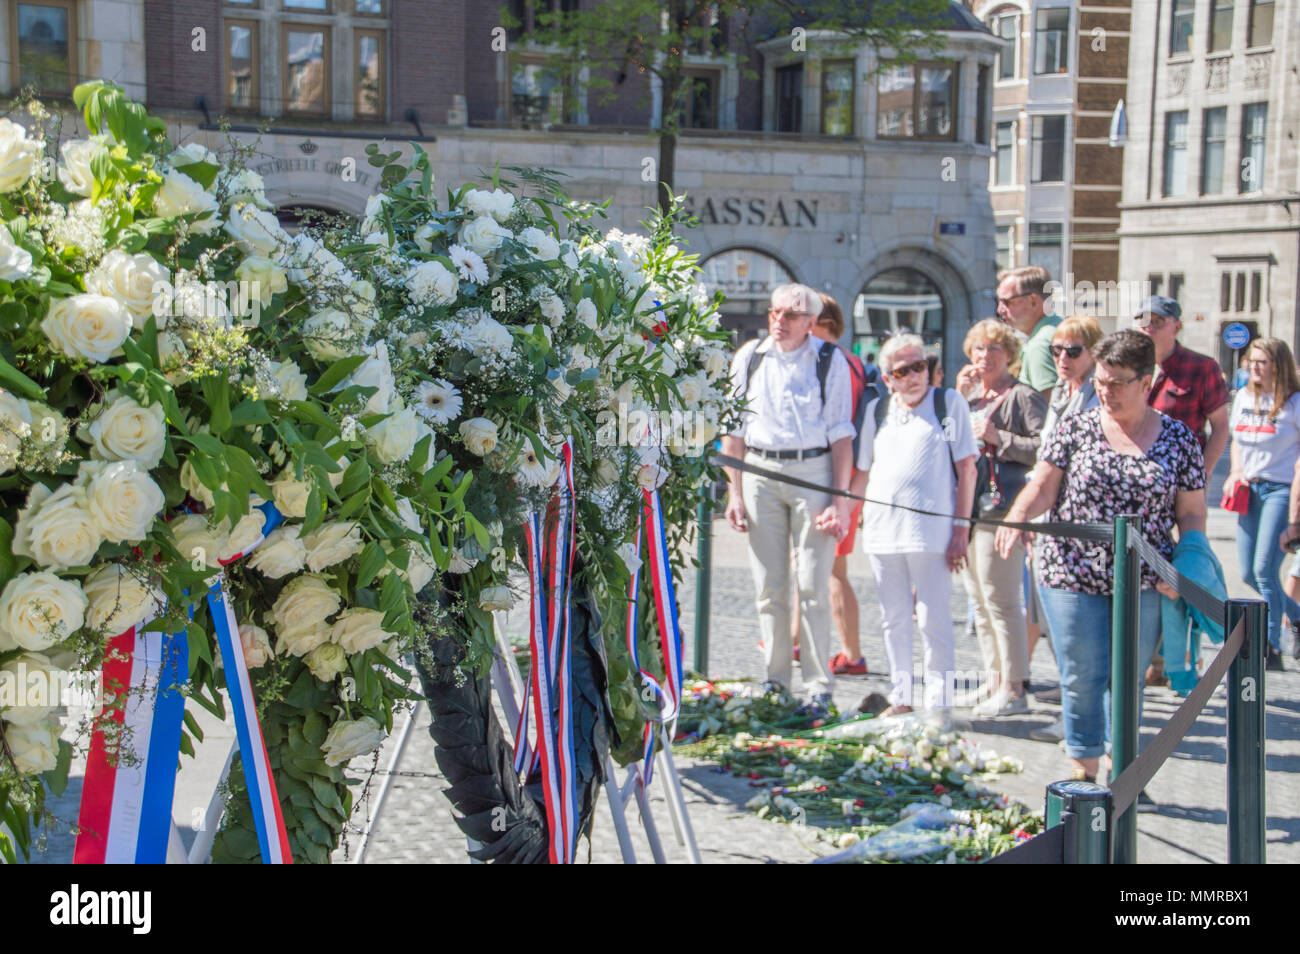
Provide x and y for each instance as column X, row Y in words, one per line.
column 430, row 283
column 256, row 644
column 281, row 553
column 181, row 195
column 480, row 435
column 119, row 599
column 437, row 401
column 124, row 430
column 56, row 528
column 38, row 610
column 469, row 264
column 348, row 739
column 15, row 261
column 87, row 326
column 122, row 498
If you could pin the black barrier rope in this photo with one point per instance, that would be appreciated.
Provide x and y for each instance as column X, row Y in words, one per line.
column 1102, row 532
column 1190, row 590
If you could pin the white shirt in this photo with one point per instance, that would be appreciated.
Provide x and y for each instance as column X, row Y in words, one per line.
column 1266, row 449
column 913, row 465
column 785, row 404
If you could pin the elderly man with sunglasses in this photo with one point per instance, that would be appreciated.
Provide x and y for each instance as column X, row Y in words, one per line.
column 1023, row 305
column 798, row 423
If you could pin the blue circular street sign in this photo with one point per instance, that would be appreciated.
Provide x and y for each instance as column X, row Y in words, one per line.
column 1236, row 335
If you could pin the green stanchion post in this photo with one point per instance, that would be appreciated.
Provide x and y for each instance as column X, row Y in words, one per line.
column 1084, row 808
column 703, row 577
column 1125, row 680
column 1246, row 818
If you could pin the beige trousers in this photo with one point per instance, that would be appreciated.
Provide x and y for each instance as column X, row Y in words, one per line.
column 781, row 523
column 994, row 585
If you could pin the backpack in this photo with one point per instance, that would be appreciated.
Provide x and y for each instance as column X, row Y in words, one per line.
column 940, row 414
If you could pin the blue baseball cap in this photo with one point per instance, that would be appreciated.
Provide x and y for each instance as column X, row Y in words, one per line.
column 1162, row 306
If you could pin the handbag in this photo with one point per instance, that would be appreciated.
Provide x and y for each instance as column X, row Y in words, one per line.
column 997, row 483
column 1236, row 497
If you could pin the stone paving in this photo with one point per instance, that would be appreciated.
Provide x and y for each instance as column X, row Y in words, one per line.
column 416, row 825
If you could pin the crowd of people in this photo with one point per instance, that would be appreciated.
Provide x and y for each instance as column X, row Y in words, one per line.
column 1050, row 419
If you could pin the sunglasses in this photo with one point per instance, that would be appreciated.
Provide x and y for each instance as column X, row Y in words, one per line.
column 1070, row 351
column 1154, row 322
column 916, row 367
column 1007, row 301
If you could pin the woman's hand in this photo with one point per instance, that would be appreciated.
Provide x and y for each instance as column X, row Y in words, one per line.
column 986, row 432
column 968, row 380
column 1164, row 589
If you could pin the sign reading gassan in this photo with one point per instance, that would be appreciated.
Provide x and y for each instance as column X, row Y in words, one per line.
column 787, row 213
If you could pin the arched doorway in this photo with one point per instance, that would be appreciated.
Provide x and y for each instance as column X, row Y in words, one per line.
column 897, row 300
column 746, row 276
column 294, row 217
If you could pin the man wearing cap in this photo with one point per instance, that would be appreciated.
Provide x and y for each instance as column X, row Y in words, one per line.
column 1189, row 387
column 798, row 423
column 1023, row 305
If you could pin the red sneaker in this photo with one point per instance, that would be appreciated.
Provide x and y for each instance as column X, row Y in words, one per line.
column 796, row 654
column 841, row 666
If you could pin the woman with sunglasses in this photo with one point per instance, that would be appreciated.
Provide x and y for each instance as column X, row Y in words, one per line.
column 1122, row 457
column 1007, row 416
column 915, row 460
column 1265, row 452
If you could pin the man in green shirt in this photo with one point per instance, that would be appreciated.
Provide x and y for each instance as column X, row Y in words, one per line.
column 1022, row 304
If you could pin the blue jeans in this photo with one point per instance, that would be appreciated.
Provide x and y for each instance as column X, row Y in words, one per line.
column 1080, row 627
column 1259, row 555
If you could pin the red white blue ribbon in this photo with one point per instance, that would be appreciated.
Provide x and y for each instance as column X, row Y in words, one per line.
column 126, row 809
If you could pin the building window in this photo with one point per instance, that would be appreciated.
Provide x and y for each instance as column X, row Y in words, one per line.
column 1225, row 292
column 1220, row 25
column 1256, row 287
column 47, row 46
column 1214, row 137
column 1005, row 155
column 1254, row 116
column 1156, row 281
column 746, row 277
column 896, row 300
column 369, row 8
column 789, row 98
column 1175, row 153
column 1045, row 246
column 538, row 97
column 241, row 66
column 1052, row 40
column 1176, row 283
column 700, row 99
column 838, row 82
column 982, row 106
column 1004, row 251
column 371, row 73
column 1261, row 23
column 1007, row 28
column 306, row 69
column 1180, row 26
column 1241, row 291
column 916, row 102
column 316, row 6
column 1049, row 149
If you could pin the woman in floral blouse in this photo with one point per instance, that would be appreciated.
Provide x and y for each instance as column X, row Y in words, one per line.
column 1123, row 457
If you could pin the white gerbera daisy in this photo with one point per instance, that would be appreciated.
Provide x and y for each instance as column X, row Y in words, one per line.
column 438, row 401
column 470, row 264
column 532, row 470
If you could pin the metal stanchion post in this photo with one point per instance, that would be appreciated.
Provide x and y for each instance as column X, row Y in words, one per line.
column 1246, row 818
column 1084, row 808
column 1125, row 680
column 704, row 531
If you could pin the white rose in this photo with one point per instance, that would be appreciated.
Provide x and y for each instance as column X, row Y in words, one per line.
column 30, row 703
column 375, row 372
column 244, row 534
column 260, row 279
column 119, row 599
column 326, row 661
column 181, row 195
column 123, row 430
column 691, row 389
column 357, row 630
column 495, row 598
column 293, row 383
column 172, row 356
column 715, row 363
column 544, row 247
column 131, row 280
column 15, row 424
column 333, row 542
column 57, row 529
column 75, row 173
column 87, row 326
column 192, row 152
column 194, row 539
column 651, row 477
column 480, row 435
column 192, row 485
column 488, row 336
column 243, row 185
column 585, row 312
column 300, row 612
column 482, row 235
column 552, row 310
column 15, row 261
column 459, row 562
column 260, row 232
column 123, row 499
column 370, row 217
column 291, row 495
column 395, row 436
column 281, row 553
column 432, row 283
column 348, row 739
column 423, row 237
column 498, row 203
column 35, row 747
column 49, row 428
column 256, row 644
column 420, row 568
column 38, row 610
column 19, row 156
column 329, row 335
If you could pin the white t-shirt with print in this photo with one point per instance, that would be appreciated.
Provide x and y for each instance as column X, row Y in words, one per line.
column 1266, row 449
column 911, row 463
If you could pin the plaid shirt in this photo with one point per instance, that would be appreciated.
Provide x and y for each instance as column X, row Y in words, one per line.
column 1189, row 387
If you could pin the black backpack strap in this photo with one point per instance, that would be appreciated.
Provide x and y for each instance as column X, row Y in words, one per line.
column 941, row 415
column 755, row 359
column 882, row 412
column 824, row 357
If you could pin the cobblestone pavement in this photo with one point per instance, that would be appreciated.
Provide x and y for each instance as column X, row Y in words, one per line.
column 416, row 825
